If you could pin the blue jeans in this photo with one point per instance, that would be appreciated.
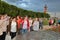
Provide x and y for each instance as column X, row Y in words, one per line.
column 24, row 31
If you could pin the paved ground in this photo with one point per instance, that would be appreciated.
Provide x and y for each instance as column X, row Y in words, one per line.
column 40, row 35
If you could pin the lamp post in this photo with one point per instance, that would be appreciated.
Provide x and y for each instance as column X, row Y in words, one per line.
column 55, row 14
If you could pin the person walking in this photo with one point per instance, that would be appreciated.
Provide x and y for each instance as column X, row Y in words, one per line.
column 5, row 24
column 36, row 25
column 25, row 25
column 40, row 23
column 30, row 24
column 13, row 28
column 18, row 24
column 1, row 28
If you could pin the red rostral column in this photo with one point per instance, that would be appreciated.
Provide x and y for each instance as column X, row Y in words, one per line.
column 45, row 9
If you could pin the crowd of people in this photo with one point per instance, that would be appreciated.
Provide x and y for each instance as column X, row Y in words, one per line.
column 18, row 25
column 4, row 22
column 53, row 21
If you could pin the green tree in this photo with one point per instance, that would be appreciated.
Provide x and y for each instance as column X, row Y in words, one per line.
column 14, row 11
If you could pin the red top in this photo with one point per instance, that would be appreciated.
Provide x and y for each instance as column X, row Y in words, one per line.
column 19, row 21
column 51, row 21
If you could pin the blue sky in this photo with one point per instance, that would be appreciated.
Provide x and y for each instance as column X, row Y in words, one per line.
column 37, row 5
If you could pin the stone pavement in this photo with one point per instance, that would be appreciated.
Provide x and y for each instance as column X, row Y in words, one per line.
column 38, row 35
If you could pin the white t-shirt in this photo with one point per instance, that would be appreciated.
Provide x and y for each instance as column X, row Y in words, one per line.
column 25, row 25
column 36, row 25
column 13, row 26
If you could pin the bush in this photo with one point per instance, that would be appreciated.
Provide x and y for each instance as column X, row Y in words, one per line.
column 45, row 22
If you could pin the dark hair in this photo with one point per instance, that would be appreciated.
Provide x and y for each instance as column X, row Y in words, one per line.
column 3, row 13
column 13, row 17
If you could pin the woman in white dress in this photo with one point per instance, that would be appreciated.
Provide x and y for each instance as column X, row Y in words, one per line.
column 36, row 25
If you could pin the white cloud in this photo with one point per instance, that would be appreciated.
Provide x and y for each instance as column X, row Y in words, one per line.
column 23, row 5
column 27, row 0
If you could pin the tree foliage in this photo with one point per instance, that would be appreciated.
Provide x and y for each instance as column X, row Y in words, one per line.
column 14, row 11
